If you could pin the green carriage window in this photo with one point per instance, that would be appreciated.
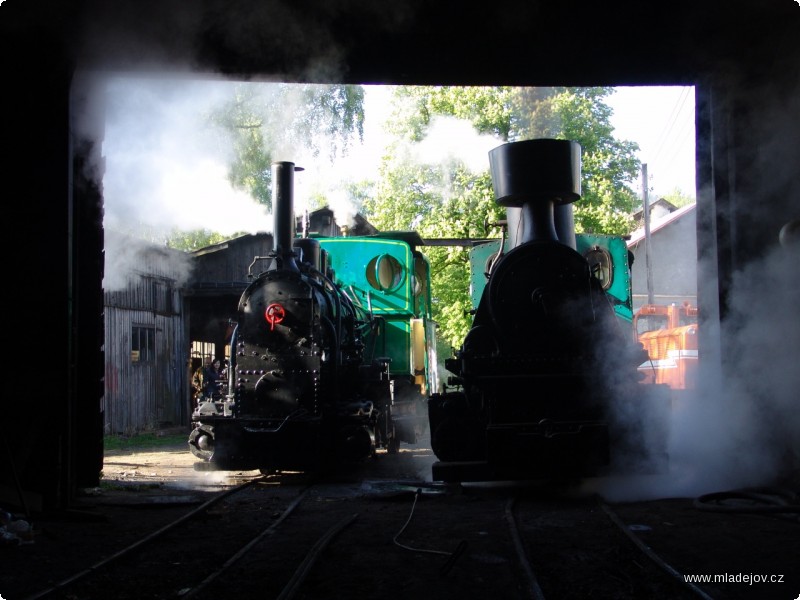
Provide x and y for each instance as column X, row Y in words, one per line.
column 601, row 265
column 384, row 273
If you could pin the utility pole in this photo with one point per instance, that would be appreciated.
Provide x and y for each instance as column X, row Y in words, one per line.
column 647, row 260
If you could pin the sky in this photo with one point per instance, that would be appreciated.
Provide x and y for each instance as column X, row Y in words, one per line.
column 163, row 170
column 661, row 121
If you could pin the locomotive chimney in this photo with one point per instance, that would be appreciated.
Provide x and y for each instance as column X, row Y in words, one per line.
column 283, row 211
column 538, row 180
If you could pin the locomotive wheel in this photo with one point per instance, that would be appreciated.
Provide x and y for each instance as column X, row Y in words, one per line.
column 354, row 444
column 201, row 443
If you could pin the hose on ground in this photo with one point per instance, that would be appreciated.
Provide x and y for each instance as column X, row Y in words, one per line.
column 778, row 502
column 451, row 556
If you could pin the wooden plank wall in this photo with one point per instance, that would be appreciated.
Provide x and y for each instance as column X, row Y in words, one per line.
column 144, row 289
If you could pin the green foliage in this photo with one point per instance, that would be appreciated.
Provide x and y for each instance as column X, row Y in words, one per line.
column 609, row 165
column 678, row 198
column 489, row 109
column 196, row 239
column 267, row 123
column 145, row 440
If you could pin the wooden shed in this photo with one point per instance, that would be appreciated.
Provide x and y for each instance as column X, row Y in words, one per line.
column 145, row 337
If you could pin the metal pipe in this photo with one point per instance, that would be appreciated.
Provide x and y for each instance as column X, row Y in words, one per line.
column 537, row 221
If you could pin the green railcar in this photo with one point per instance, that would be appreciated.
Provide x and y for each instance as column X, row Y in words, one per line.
column 387, row 275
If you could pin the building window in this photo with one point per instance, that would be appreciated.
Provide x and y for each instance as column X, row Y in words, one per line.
column 143, row 343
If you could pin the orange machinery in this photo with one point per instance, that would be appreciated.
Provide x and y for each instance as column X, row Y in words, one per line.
column 669, row 335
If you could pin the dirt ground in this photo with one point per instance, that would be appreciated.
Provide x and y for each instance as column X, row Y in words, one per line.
column 736, row 540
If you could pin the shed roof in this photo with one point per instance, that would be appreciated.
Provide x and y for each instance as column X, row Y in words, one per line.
column 638, row 235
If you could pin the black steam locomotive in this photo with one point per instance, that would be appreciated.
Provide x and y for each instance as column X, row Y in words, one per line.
column 545, row 383
column 311, row 386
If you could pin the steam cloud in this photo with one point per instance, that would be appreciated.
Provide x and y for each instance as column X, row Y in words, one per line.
column 449, row 138
column 128, row 257
column 738, row 429
column 165, row 166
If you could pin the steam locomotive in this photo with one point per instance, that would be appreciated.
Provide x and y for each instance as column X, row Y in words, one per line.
column 333, row 352
column 545, row 384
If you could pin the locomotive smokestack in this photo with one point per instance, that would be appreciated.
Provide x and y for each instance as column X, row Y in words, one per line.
column 283, row 210
column 540, row 178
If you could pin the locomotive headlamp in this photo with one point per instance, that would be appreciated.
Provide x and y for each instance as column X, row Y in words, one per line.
column 274, row 314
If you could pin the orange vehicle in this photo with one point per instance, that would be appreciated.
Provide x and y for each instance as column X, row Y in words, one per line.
column 669, row 335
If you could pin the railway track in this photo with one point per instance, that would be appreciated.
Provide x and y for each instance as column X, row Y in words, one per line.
column 379, row 531
column 196, row 547
column 289, row 537
column 580, row 548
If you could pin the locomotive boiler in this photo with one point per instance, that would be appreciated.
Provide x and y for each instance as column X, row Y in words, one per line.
column 545, row 384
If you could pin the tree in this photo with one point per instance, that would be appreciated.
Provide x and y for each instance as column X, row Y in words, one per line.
column 265, row 122
column 447, row 200
column 196, row 239
column 678, row 198
column 609, row 165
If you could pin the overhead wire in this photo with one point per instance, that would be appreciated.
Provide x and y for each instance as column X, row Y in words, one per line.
column 676, row 111
column 671, row 141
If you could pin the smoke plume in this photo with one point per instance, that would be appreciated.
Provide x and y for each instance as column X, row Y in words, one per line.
column 127, row 258
column 166, row 167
